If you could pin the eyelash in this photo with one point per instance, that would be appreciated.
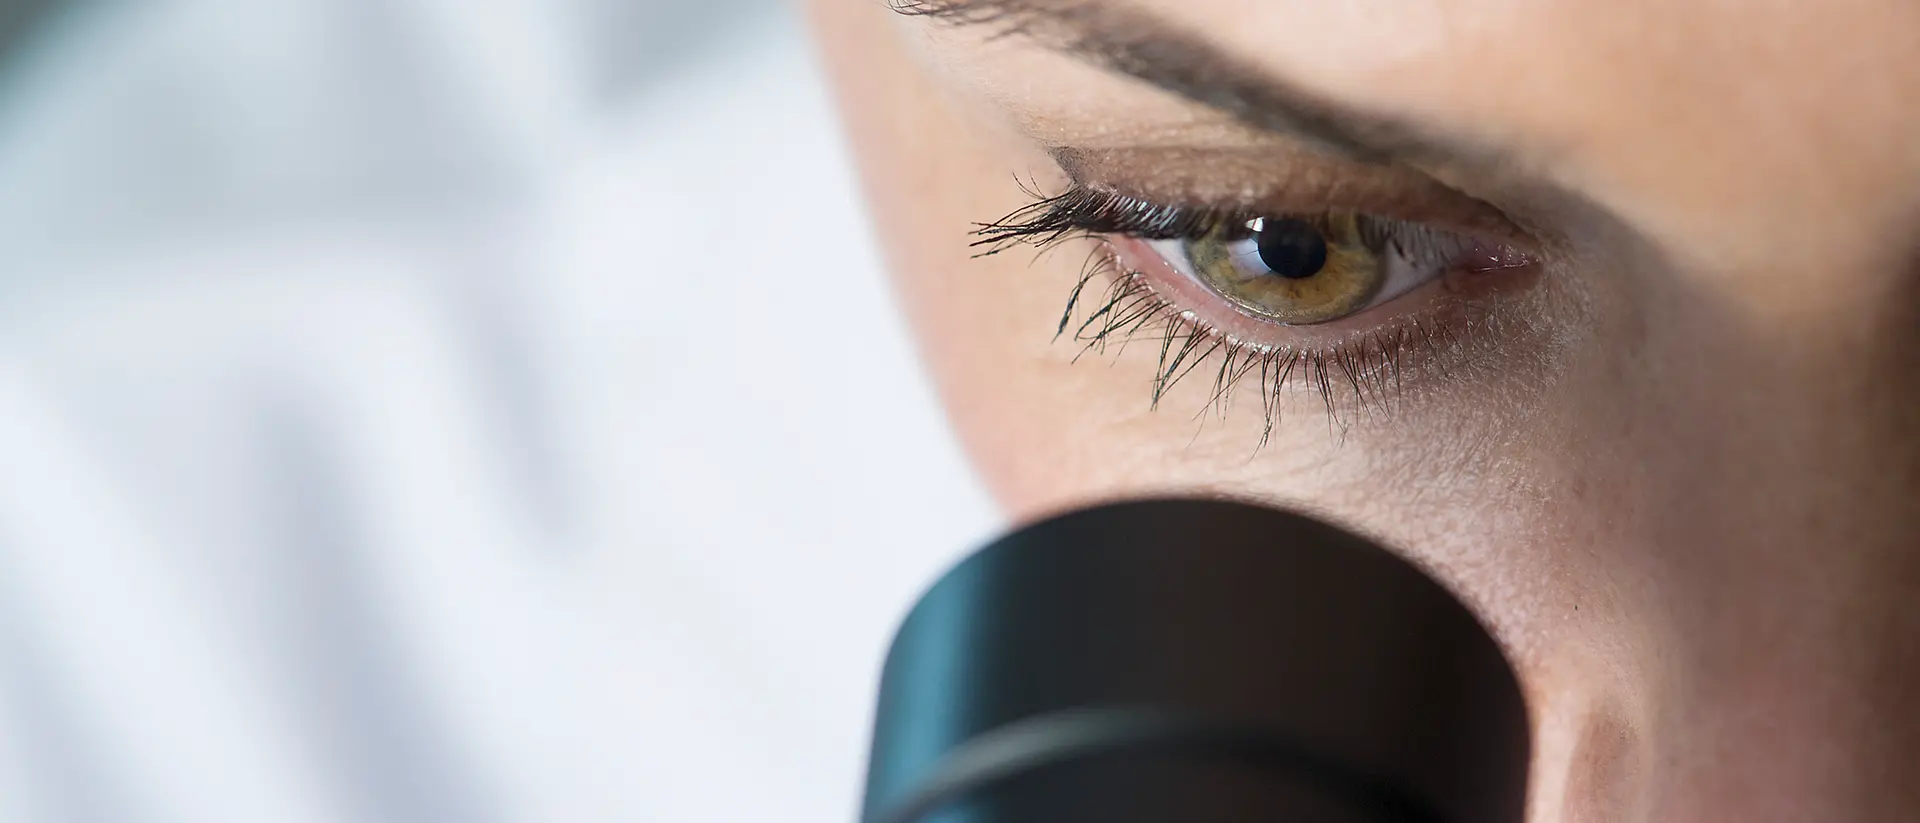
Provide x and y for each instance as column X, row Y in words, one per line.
column 1368, row 370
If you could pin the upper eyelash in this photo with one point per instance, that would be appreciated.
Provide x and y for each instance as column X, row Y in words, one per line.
column 1371, row 367
column 961, row 11
column 1085, row 210
column 1002, row 18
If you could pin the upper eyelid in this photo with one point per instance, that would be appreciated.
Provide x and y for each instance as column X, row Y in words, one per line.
column 1279, row 182
column 1521, row 198
column 1084, row 211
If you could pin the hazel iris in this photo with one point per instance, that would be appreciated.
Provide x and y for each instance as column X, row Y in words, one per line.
column 1293, row 270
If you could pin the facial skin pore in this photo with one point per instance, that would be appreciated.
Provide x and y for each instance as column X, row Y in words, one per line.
column 1681, row 477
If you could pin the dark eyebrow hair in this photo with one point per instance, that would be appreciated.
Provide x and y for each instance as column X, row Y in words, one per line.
column 1127, row 41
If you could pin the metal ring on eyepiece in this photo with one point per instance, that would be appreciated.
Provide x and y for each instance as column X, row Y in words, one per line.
column 1036, row 743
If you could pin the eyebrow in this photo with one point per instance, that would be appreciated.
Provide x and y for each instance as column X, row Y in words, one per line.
column 1126, row 41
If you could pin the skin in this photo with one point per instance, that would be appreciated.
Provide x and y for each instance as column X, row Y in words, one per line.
column 1683, row 486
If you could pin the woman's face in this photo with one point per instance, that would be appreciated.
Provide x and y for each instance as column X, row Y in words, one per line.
column 1605, row 311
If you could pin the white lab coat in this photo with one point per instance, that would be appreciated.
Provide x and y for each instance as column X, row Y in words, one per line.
column 401, row 421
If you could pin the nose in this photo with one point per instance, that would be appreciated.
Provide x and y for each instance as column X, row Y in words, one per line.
column 1769, row 455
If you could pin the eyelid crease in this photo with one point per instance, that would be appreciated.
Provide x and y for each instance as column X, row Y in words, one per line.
column 1277, row 181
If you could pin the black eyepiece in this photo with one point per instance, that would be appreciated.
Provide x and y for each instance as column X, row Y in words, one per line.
column 1187, row 661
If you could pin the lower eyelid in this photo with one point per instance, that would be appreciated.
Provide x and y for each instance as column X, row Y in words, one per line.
column 1402, row 278
column 1446, row 333
column 1138, row 258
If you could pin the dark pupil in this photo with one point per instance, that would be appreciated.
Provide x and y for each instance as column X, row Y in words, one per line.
column 1292, row 248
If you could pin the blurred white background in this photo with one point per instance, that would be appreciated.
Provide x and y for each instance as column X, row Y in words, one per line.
column 444, row 410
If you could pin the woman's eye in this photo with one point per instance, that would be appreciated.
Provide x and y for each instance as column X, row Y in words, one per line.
column 1304, row 270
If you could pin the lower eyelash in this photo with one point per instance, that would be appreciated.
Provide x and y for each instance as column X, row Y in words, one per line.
column 1353, row 378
